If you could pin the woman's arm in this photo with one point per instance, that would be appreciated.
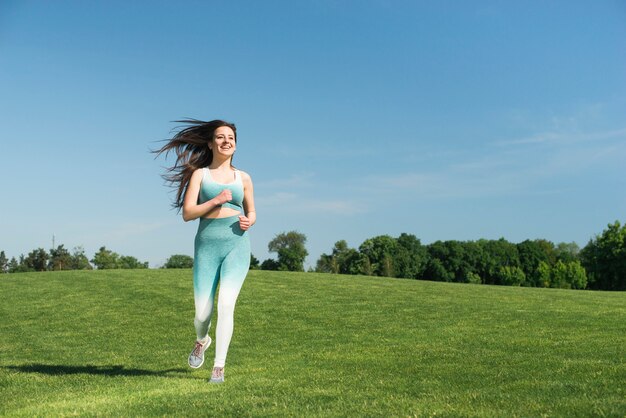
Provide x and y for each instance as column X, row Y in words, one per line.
column 245, row 222
column 191, row 209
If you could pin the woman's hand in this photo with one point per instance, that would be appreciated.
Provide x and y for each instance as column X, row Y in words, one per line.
column 225, row 196
column 244, row 223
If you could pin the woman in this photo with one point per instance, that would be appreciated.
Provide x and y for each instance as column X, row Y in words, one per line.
column 211, row 189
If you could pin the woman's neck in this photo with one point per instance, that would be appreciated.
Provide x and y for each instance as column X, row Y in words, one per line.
column 218, row 164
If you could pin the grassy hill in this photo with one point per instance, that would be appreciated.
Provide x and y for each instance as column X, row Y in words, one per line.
column 116, row 343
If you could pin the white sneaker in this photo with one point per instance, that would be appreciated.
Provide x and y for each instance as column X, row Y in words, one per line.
column 217, row 376
column 196, row 358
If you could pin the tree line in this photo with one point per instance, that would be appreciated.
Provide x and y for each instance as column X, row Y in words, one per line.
column 536, row 263
column 600, row 265
column 60, row 258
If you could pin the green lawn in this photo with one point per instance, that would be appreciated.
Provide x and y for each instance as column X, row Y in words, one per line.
column 116, row 343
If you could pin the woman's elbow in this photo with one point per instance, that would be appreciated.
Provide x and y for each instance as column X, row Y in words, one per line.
column 186, row 216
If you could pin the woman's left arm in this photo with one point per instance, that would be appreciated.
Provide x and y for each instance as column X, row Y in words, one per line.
column 245, row 222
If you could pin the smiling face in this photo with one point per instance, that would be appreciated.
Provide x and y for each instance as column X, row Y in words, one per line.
column 224, row 142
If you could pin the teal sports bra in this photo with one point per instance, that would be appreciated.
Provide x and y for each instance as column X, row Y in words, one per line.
column 209, row 189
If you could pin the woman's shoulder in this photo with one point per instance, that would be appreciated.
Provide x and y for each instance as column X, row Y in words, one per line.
column 244, row 176
column 198, row 173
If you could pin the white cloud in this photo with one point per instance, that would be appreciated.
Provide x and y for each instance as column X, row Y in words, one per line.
column 566, row 137
column 450, row 184
column 515, row 169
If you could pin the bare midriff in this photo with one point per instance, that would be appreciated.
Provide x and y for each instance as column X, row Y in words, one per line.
column 220, row 212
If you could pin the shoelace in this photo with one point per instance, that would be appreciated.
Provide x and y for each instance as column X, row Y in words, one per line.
column 217, row 372
column 197, row 351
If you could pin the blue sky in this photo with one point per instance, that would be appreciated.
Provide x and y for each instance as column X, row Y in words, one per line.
column 446, row 120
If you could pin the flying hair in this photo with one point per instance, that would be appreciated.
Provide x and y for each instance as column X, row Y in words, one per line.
column 191, row 145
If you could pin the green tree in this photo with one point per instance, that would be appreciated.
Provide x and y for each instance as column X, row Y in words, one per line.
column 270, row 264
column 37, row 260
column 364, row 265
column 544, row 274
column 455, row 261
column 179, row 261
column 531, row 253
column 60, row 259
column 348, row 261
column 436, row 271
column 604, row 258
column 567, row 252
column 511, row 276
column 472, row 258
column 130, row 262
column 411, row 258
column 79, row 260
column 562, row 275
column 380, row 251
column 106, row 259
column 19, row 265
column 473, row 278
column 344, row 257
column 342, row 260
column 576, row 275
column 558, row 276
column 386, row 267
column 497, row 253
column 327, row 264
column 4, row 262
column 291, row 250
column 254, row 263
column 14, row 265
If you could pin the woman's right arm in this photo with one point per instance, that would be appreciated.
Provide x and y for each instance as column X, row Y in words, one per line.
column 191, row 209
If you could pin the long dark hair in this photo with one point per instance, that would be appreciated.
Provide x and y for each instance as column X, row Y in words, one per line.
column 191, row 144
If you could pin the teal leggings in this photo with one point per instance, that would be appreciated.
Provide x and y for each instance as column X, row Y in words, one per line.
column 221, row 255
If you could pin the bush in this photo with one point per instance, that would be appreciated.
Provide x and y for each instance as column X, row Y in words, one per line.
column 510, row 276
column 473, row 278
column 179, row 261
column 604, row 258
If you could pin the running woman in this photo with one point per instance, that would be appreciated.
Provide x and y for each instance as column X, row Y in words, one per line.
column 211, row 189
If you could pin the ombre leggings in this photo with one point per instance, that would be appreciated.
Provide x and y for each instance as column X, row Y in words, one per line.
column 221, row 255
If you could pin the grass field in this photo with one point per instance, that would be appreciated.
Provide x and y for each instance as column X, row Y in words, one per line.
column 305, row 344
